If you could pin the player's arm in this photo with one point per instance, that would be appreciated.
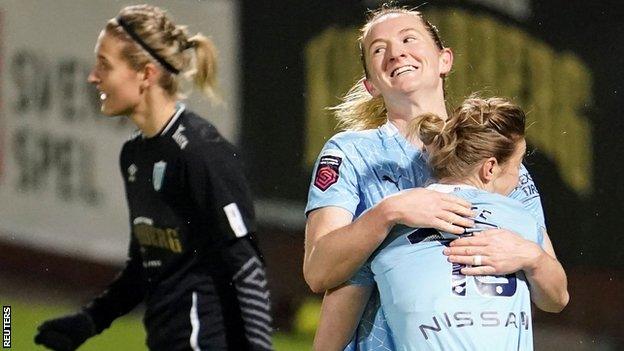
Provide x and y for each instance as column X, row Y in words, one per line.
column 336, row 246
column 222, row 198
column 122, row 295
column 125, row 293
column 218, row 188
column 547, row 279
column 505, row 252
column 549, row 284
column 340, row 313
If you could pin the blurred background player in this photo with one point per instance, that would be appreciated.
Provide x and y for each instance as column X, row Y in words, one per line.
column 350, row 210
column 191, row 258
column 428, row 301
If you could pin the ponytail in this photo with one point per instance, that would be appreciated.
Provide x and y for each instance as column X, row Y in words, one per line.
column 151, row 36
column 478, row 129
column 359, row 110
column 204, row 72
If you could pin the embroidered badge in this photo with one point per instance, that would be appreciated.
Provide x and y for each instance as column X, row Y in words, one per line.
column 132, row 170
column 327, row 172
column 158, row 174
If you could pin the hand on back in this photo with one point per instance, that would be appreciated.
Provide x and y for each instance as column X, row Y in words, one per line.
column 431, row 209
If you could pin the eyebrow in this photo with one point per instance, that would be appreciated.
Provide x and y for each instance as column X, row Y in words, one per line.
column 409, row 29
column 103, row 58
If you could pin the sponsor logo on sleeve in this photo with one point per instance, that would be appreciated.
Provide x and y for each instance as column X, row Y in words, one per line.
column 235, row 219
column 327, row 172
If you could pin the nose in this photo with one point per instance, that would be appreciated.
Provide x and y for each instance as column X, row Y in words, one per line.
column 93, row 78
column 395, row 52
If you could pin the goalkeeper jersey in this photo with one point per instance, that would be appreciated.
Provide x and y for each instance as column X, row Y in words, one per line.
column 191, row 258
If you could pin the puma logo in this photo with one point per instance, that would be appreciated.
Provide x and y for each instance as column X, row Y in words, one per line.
column 395, row 182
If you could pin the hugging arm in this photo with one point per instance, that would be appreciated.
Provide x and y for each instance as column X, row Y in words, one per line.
column 336, row 246
column 505, row 252
column 341, row 311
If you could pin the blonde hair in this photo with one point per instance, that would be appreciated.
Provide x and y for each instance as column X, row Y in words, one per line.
column 359, row 110
column 478, row 129
column 170, row 43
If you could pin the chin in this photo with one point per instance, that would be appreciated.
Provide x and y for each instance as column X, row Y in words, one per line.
column 410, row 87
column 112, row 112
column 108, row 113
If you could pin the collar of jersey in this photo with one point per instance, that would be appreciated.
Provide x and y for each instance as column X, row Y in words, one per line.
column 449, row 188
column 180, row 107
column 388, row 129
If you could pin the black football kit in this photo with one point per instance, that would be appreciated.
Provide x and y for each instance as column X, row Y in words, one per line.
column 191, row 257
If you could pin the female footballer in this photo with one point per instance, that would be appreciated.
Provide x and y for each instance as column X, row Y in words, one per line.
column 370, row 177
column 191, row 258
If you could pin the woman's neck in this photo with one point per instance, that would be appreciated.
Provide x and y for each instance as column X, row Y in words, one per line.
column 470, row 181
column 401, row 113
column 152, row 116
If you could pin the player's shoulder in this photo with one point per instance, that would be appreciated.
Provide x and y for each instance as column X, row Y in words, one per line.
column 479, row 196
column 504, row 210
column 503, row 205
column 350, row 144
column 198, row 138
column 132, row 139
column 199, row 129
column 526, row 189
column 350, row 137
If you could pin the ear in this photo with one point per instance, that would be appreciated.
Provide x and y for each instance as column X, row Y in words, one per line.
column 445, row 61
column 370, row 87
column 488, row 170
column 150, row 75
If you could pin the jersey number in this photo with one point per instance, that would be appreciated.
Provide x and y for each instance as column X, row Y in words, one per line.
column 488, row 285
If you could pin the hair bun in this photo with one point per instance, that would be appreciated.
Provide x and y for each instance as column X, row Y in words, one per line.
column 427, row 127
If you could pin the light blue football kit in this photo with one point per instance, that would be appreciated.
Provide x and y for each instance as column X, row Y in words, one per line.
column 356, row 170
column 430, row 305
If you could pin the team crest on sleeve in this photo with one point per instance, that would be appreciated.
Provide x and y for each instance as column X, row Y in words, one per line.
column 327, row 172
column 158, row 174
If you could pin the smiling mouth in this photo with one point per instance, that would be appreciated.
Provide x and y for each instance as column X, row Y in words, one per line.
column 400, row 70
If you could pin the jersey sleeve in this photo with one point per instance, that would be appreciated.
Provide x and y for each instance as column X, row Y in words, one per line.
column 540, row 235
column 334, row 181
column 218, row 189
column 122, row 295
column 526, row 192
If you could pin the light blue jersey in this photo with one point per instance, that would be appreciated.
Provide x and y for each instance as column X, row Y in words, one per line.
column 356, row 170
column 430, row 305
